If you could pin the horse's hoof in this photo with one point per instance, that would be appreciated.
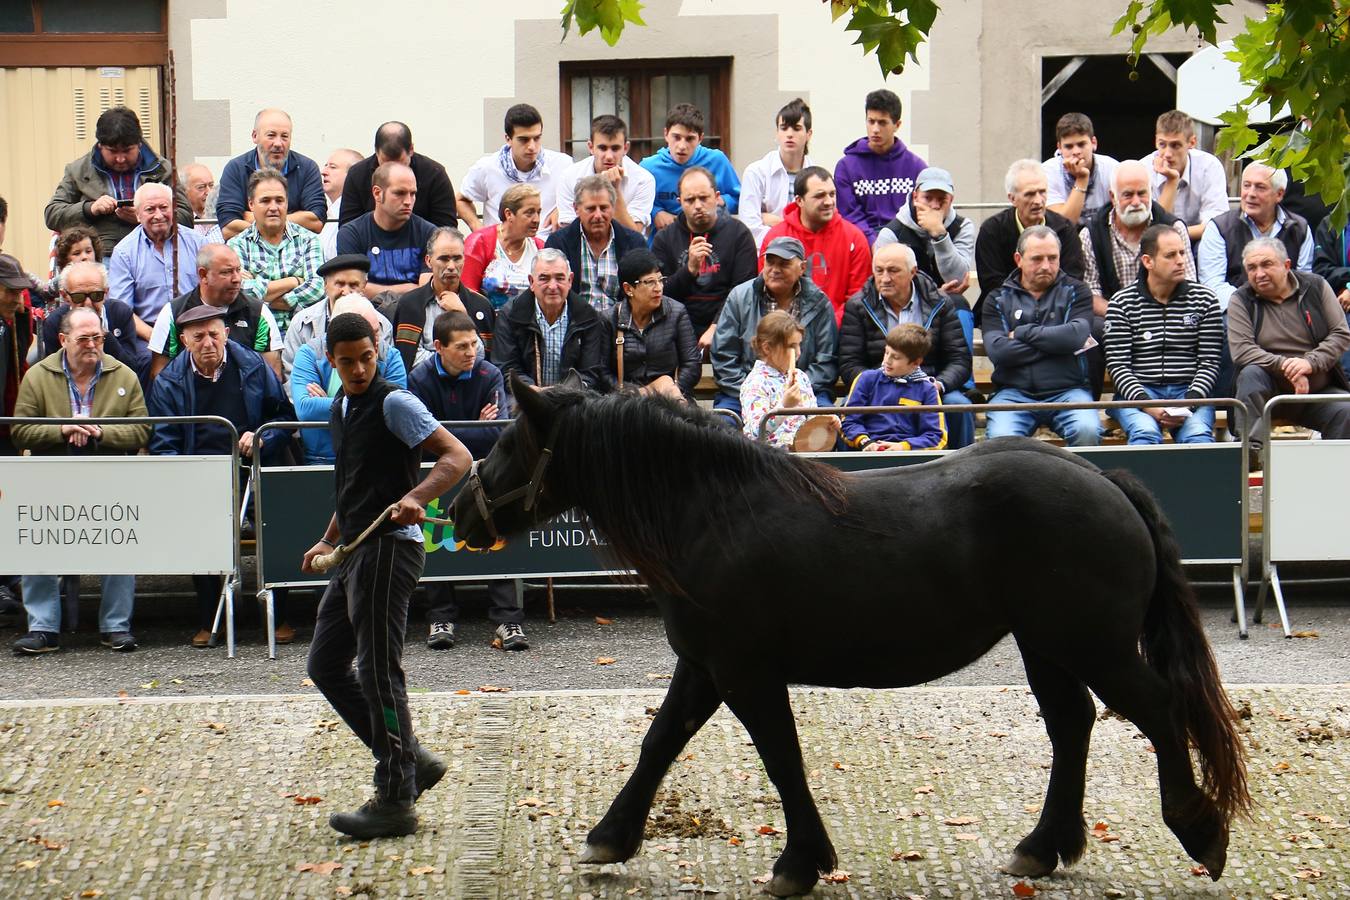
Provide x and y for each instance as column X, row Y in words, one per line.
column 1024, row 866
column 599, row 854
column 788, row 886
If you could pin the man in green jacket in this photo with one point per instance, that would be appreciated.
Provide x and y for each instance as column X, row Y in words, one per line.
column 79, row 381
column 99, row 187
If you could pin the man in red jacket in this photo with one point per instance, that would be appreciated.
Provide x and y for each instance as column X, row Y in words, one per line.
column 837, row 254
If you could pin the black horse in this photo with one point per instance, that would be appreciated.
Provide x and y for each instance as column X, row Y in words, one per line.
column 772, row 570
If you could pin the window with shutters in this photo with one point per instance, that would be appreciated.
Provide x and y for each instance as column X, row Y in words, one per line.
column 641, row 92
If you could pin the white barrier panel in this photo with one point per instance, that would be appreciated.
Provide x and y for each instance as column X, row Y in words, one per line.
column 1309, row 492
column 116, row 515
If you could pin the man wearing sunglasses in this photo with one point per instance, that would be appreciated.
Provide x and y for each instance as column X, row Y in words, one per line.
column 84, row 285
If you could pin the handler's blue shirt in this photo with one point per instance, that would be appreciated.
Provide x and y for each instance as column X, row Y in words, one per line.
column 412, row 424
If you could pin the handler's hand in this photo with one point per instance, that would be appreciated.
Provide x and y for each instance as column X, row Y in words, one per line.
column 319, row 549
column 409, row 512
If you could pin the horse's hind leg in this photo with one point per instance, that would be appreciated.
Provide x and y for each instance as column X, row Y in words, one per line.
column 1133, row 689
column 690, row 700
column 764, row 710
column 1069, row 714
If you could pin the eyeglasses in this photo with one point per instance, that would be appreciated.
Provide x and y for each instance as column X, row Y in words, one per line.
column 656, row 282
column 88, row 340
column 78, row 297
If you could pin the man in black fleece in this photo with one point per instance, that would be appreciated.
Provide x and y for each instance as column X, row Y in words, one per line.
column 704, row 253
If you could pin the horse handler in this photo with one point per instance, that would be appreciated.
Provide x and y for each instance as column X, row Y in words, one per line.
column 379, row 434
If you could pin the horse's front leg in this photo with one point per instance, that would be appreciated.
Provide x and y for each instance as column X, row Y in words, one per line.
column 690, row 700
column 766, row 713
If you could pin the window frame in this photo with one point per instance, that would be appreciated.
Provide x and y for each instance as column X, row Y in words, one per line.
column 640, row 73
column 61, row 49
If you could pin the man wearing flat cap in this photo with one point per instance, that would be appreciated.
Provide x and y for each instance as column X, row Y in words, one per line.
column 343, row 274
column 248, row 323
column 780, row 285
column 215, row 376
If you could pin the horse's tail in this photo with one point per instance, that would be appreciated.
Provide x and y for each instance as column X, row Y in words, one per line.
column 1174, row 644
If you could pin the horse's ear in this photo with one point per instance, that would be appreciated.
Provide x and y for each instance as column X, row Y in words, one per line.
column 572, row 380
column 530, row 400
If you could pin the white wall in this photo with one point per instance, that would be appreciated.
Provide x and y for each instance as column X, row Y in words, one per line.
column 428, row 62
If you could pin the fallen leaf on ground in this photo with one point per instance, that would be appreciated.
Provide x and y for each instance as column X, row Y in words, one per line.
column 494, row 689
column 837, row 877
column 307, row 682
column 91, row 892
column 1022, row 889
column 175, row 681
column 762, row 879
column 1280, row 766
column 1200, row 871
column 27, row 864
column 529, row 801
column 734, row 841
column 907, row 856
column 1305, row 634
column 151, row 685
column 1315, row 817
column 601, row 620
column 768, row 829
column 343, row 890
column 1308, row 873
column 497, row 644
column 925, row 789
column 965, row 836
column 657, row 676
column 217, row 727
column 841, row 767
column 998, row 734
column 1032, row 807
column 423, row 870
column 321, row 868
column 960, row 820
column 54, row 803
column 605, row 660
column 463, row 693
column 307, row 801
column 122, row 695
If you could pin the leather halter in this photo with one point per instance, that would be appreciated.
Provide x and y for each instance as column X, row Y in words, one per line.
column 530, row 490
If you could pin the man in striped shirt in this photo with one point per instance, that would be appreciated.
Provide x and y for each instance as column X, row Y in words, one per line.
column 280, row 259
column 1164, row 336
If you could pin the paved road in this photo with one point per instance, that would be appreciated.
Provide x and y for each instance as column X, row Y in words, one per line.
column 563, row 654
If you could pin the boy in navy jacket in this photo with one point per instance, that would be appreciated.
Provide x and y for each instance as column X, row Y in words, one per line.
column 900, row 381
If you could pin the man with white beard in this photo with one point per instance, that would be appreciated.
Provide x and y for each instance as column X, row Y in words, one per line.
column 1110, row 242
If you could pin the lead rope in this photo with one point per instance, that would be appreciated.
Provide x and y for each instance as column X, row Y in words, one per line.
column 326, row 561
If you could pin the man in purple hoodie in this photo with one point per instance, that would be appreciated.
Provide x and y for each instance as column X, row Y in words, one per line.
column 876, row 174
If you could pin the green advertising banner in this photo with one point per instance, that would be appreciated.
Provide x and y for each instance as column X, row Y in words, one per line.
column 1200, row 488
column 297, row 502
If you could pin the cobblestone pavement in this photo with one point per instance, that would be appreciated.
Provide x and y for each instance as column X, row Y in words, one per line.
column 229, row 797
column 563, row 654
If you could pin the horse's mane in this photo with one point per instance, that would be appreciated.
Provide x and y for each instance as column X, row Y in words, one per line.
column 632, row 457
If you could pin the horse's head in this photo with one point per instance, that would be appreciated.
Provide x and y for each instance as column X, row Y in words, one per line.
column 508, row 491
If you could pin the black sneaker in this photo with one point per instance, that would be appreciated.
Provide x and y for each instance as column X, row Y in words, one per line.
column 376, row 818
column 430, row 770
column 37, row 642
column 121, row 641
column 442, row 636
column 512, row 637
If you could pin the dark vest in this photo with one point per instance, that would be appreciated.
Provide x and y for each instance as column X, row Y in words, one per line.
column 1236, row 234
column 242, row 316
column 374, row 468
column 922, row 245
column 1099, row 230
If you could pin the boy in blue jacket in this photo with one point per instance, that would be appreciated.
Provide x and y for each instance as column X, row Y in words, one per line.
column 684, row 148
column 898, row 382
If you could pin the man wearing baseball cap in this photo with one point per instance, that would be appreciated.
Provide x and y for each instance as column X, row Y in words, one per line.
column 780, row 285
column 943, row 241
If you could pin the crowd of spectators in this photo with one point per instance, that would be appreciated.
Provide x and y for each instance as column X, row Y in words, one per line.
column 801, row 286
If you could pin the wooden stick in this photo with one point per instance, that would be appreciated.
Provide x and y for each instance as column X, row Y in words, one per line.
column 325, row 561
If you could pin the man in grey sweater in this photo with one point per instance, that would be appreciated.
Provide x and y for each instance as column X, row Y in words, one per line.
column 1287, row 334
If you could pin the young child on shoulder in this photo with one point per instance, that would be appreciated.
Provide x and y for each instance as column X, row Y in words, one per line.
column 898, row 382
column 775, row 380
